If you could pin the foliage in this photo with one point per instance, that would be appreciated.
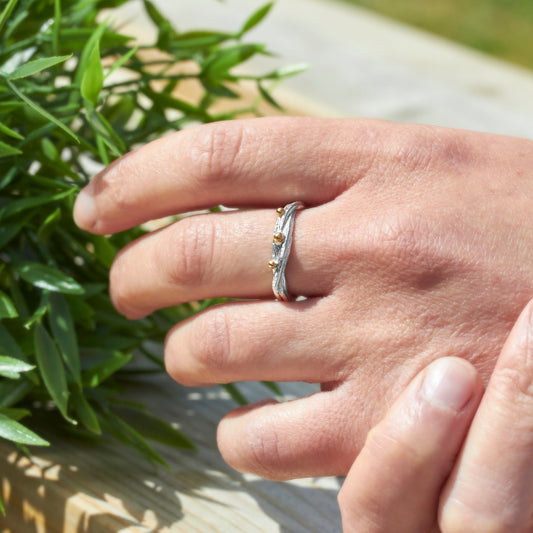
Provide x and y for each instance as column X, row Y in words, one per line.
column 61, row 113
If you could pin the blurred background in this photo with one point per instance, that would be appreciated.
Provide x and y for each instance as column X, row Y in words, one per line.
column 465, row 64
column 503, row 28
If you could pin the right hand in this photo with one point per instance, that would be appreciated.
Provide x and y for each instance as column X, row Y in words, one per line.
column 412, row 475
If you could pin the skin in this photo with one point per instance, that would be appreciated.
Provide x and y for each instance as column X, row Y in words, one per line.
column 415, row 244
column 412, row 474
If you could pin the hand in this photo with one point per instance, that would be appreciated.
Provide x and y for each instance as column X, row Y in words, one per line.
column 415, row 244
column 401, row 479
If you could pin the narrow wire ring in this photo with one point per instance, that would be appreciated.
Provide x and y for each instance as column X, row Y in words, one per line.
column 281, row 249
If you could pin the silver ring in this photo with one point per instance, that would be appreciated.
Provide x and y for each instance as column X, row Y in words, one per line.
column 281, row 249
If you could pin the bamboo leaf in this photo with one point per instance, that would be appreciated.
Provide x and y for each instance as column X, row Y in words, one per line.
column 51, row 369
column 64, row 333
column 154, row 428
column 13, row 392
column 46, row 277
column 122, row 61
column 7, row 309
column 85, row 412
column 104, row 365
column 38, row 109
column 6, row 13
column 93, row 77
column 14, row 431
column 256, row 18
column 235, row 394
column 15, row 413
column 7, row 150
column 126, row 434
column 10, row 133
column 15, row 207
column 12, row 368
column 33, row 67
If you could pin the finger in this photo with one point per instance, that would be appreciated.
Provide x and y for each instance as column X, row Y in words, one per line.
column 394, row 483
column 491, row 488
column 246, row 341
column 259, row 162
column 280, row 441
column 215, row 255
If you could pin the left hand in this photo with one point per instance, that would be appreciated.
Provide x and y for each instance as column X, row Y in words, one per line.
column 410, row 476
column 415, row 243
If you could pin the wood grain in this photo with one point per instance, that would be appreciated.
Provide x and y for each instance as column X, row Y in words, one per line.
column 73, row 487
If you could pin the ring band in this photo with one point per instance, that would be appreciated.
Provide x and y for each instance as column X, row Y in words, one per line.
column 281, row 249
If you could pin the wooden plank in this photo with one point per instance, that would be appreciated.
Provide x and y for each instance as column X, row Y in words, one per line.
column 73, row 487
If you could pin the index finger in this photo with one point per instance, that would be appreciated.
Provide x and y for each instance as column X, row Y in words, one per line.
column 491, row 488
column 248, row 163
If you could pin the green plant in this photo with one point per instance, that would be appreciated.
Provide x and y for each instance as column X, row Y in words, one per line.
column 61, row 341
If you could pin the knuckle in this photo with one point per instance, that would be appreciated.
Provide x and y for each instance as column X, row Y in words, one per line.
column 212, row 344
column 423, row 147
column 266, row 450
column 188, row 262
column 121, row 194
column 215, row 151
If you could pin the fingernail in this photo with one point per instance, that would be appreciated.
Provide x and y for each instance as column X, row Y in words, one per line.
column 449, row 382
column 84, row 210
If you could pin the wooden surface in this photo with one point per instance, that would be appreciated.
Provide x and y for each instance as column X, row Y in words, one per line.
column 73, row 487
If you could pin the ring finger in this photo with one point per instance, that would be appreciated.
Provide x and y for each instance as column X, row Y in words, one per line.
column 215, row 255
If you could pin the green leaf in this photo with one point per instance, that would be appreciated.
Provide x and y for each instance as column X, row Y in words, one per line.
column 10, row 133
column 9, row 231
column 157, row 17
column 85, row 412
column 38, row 109
column 273, row 387
column 2, row 508
column 93, row 77
column 57, row 26
column 154, row 428
column 15, row 207
column 91, row 42
column 64, row 333
column 287, row 71
column 236, row 395
column 46, row 277
column 268, row 97
column 126, row 434
column 14, row 413
column 7, row 150
column 49, row 149
column 198, row 40
column 122, row 61
column 51, row 369
column 102, row 365
column 6, row 13
column 12, row 368
column 7, row 309
column 33, row 67
column 13, row 392
column 256, row 18
column 224, row 60
column 9, row 346
column 14, row 431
